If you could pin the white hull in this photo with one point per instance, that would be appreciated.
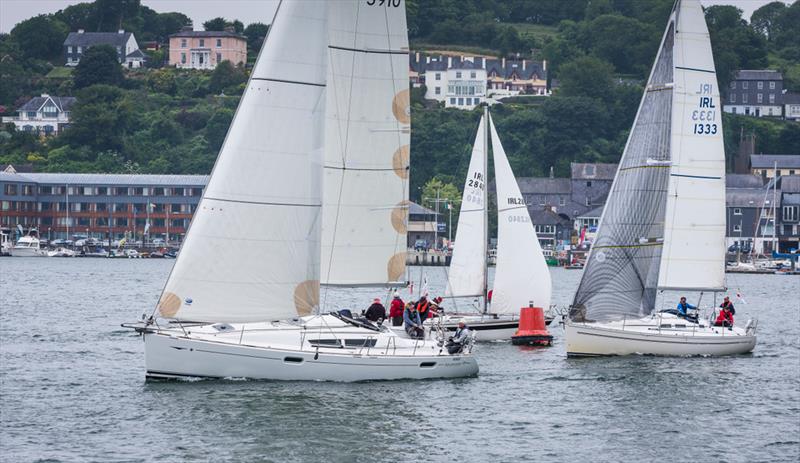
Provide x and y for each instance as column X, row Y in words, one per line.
column 285, row 351
column 27, row 252
column 650, row 336
column 484, row 327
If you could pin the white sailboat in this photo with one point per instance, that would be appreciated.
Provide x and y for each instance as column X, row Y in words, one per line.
column 663, row 226
column 521, row 274
column 243, row 300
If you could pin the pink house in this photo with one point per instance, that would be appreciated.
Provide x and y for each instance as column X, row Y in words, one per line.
column 206, row 49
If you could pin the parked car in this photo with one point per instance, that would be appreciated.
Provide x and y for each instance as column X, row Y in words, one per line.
column 744, row 248
column 421, row 245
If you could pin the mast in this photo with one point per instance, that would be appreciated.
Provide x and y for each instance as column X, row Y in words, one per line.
column 66, row 192
column 486, row 208
column 774, row 207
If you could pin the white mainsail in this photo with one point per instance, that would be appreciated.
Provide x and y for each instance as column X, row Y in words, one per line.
column 365, row 209
column 693, row 256
column 252, row 252
column 467, row 274
column 521, row 275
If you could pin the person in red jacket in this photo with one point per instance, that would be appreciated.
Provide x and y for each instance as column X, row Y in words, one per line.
column 725, row 318
column 396, row 310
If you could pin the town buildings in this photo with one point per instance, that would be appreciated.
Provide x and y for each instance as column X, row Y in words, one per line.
column 467, row 81
column 767, row 165
column 791, row 106
column 100, row 205
column 45, row 114
column 190, row 49
column 128, row 53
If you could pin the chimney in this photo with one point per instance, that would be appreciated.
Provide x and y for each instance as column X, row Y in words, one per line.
column 121, row 31
column 187, row 28
column 80, row 31
column 503, row 62
column 551, row 172
column 417, row 55
column 449, row 62
column 524, row 62
column 544, row 65
column 427, row 60
column 45, row 95
column 229, row 29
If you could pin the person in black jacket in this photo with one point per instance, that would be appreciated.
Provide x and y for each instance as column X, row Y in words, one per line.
column 376, row 311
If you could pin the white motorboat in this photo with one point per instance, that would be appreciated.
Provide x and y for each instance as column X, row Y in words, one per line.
column 311, row 184
column 663, row 226
column 61, row 252
column 28, row 246
column 521, row 276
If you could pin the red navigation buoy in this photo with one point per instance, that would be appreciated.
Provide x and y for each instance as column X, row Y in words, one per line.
column 532, row 330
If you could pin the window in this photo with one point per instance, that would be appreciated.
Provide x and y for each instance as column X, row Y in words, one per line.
column 69, row 49
column 733, row 84
column 183, row 43
column 760, row 98
column 197, row 192
column 80, row 50
column 588, row 201
column 733, row 98
column 737, row 228
column 219, row 43
column 733, row 110
column 438, row 76
column 562, row 201
column 589, row 183
column 472, row 75
column 790, row 213
column 477, row 101
column 779, row 173
column 744, row 99
column 178, row 192
column 452, row 101
column 437, row 90
column 158, row 192
column 737, row 211
column 760, row 85
column 119, row 50
column 219, row 58
column 542, row 200
column 48, row 129
column 461, row 102
column 458, row 74
column 772, row 98
column 745, row 84
column 202, row 42
column 11, row 189
column 791, row 172
column 183, row 58
column 772, row 85
column 31, row 114
column 121, row 221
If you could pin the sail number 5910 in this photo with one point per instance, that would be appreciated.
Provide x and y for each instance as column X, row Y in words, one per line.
column 386, row 3
column 705, row 129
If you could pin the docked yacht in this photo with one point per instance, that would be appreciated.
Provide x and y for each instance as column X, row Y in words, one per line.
column 28, row 246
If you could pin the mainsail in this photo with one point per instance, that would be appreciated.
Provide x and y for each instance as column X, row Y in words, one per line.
column 521, row 275
column 252, row 252
column 365, row 207
column 621, row 274
column 694, row 234
column 467, row 275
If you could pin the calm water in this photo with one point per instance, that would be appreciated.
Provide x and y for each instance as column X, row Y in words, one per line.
column 73, row 389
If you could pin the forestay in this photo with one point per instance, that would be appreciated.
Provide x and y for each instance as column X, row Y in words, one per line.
column 694, row 235
column 521, row 275
column 621, row 274
column 467, row 274
column 365, row 208
column 252, row 251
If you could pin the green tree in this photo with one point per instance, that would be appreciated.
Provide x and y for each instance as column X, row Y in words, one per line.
column 101, row 117
column 438, row 188
column 255, row 33
column 587, row 76
column 217, row 128
column 99, row 65
column 226, row 75
column 765, row 19
column 216, row 24
column 40, row 37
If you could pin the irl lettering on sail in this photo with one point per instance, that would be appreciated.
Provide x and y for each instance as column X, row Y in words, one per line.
column 706, row 112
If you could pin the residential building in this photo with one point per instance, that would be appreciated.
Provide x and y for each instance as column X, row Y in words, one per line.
column 791, row 106
column 45, row 114
column 767, row 165
column 422, row 225
column 551, row 228
column 589, row 221
column 466, row 81
column 788, row 231
column 748, row 213
column 190, row 49
column 590, row 184
column 756, row 93
column 100, row 205
column 128, row 53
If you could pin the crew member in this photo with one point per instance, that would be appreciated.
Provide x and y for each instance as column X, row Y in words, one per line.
column 396, row 309
column 423, row 307
column 376, row 311
column 726, row 303
column 456, row 342
column 683, row 310
column 725, row 318
column 413, row 323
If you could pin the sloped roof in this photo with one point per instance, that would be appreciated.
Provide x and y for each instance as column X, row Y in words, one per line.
column 135, row 54
column 516, row 66
column 109, row 179
column 767, row 161
column 746, row 197
column 592, row 214
column 743, row 181
column 88, row 39
column 62, row 102
column 208, row 34
column 790, row 184
column 791, row 98
column 543, row 185
column 759, row 74
column 593, row 171
column 547, row 217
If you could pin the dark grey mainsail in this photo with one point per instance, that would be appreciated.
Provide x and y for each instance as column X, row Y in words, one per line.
column 621, row 274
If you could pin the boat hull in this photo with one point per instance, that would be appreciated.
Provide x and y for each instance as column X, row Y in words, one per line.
column 27, row 252
column 170, row 357
column 586, row 340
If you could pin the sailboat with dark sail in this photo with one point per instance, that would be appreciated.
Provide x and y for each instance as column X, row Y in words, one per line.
column 663, row 226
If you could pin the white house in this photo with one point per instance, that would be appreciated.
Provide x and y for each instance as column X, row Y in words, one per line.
column 45, row 114
column 755, row 93
column 791, row 106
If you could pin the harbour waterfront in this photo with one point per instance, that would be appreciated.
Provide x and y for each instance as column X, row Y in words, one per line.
column 72, row 388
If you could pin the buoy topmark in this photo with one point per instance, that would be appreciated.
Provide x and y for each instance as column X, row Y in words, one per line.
column 532, row 330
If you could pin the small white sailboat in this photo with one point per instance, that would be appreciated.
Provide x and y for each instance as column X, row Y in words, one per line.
column 28, row 245
column 663, row 226
column 522, row 276
column 328, row 98
column 61, row 252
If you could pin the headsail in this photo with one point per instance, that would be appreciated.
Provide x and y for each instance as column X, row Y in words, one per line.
column 521, row 275
column 694, row 234
column 365, row 208
column 252, row 252
column 621, row 273
column 468, row 265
